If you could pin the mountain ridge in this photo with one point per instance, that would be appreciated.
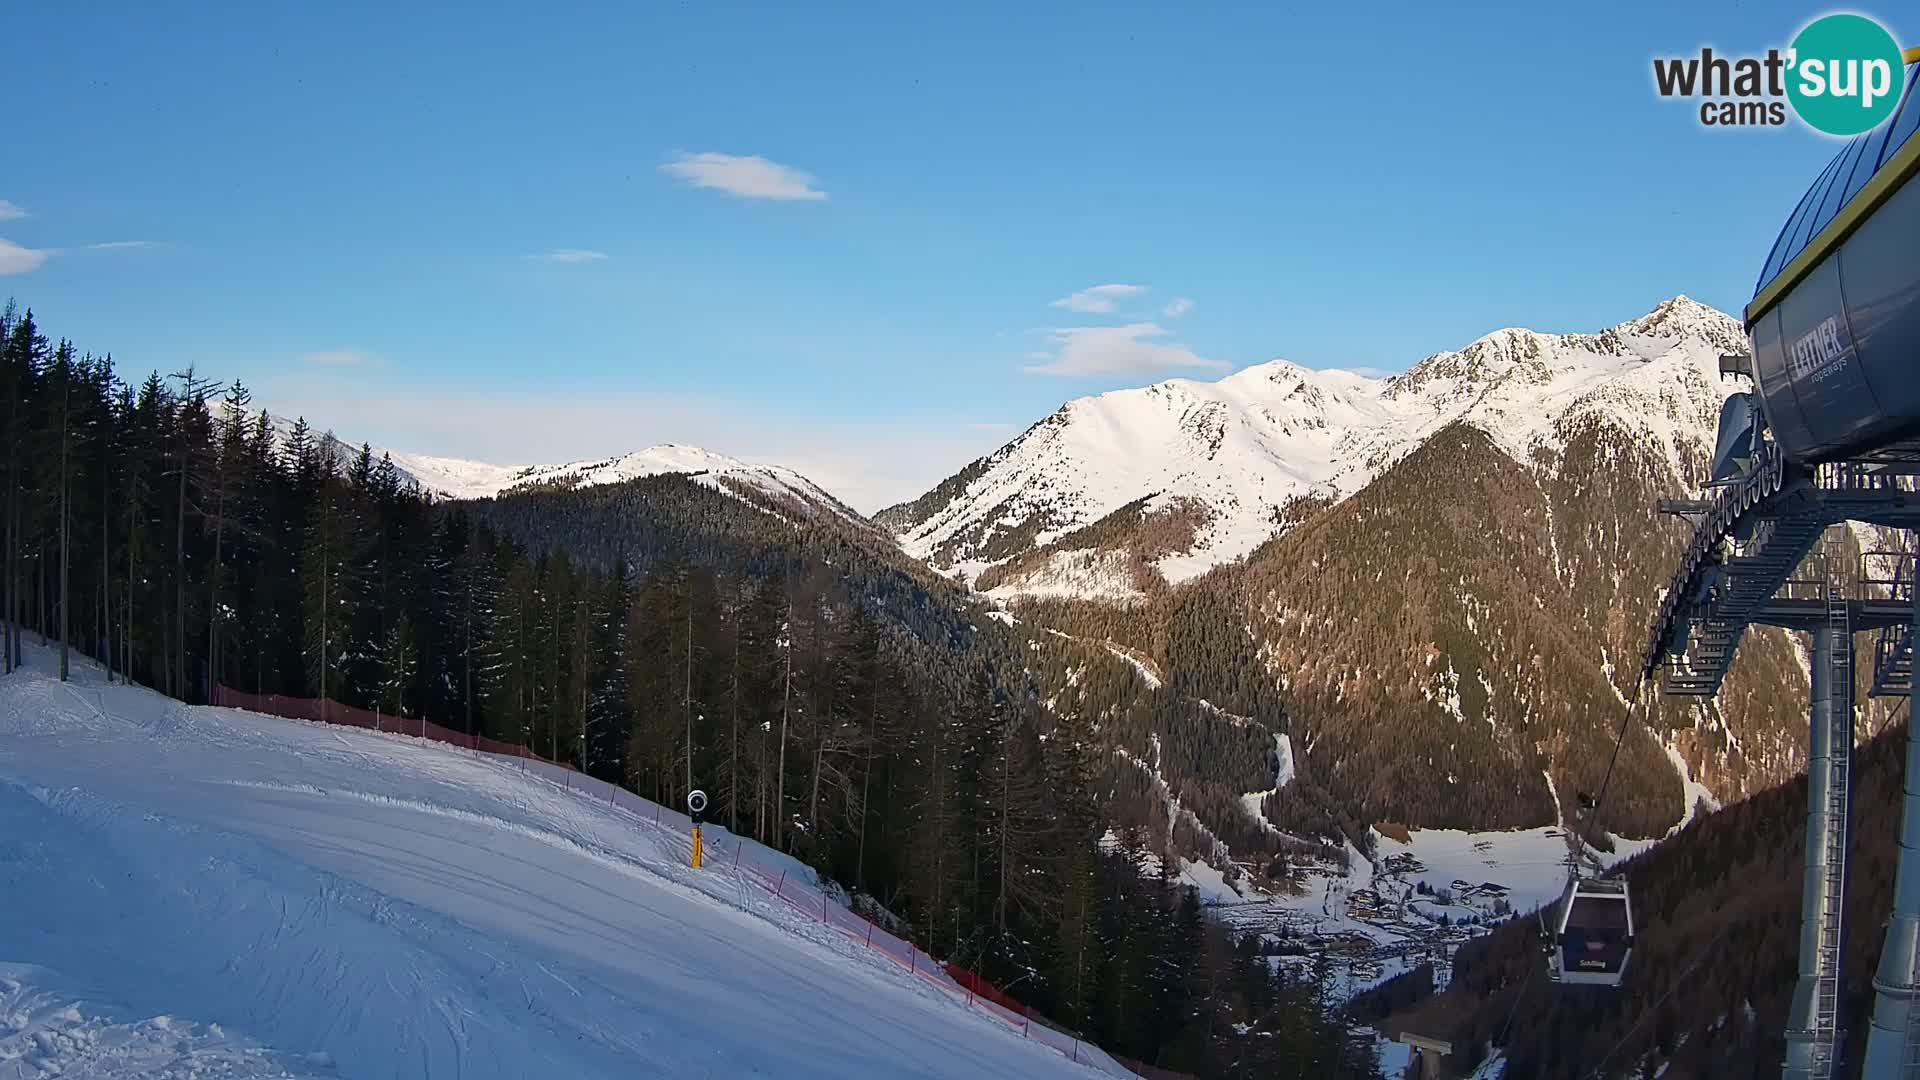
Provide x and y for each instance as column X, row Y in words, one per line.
column 768, row 486
column 1233, row 454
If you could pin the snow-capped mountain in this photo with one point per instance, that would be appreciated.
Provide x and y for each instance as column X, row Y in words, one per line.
column 1220, row 467
column 770, row 486
column 459, row 479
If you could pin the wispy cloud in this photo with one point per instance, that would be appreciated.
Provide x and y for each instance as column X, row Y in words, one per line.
column 571, row 255
column 341, row 358
column 749, row 177
column 1180, row 306
column 124, row 245
column 1116, row 350
column 1099, row 300
column 15, row 259
column 11, row 211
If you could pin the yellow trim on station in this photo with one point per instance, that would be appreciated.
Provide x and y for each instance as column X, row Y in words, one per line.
column 1894, row 173
column 1911, row 56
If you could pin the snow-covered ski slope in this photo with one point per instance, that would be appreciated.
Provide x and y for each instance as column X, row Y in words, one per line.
column 207, row 889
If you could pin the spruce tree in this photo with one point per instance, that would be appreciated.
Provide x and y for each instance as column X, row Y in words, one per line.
column 329, row 565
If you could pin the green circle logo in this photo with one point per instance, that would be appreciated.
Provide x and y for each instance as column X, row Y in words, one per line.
column 1845, row 74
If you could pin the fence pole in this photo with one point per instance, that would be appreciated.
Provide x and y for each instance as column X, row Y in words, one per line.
column 869, row 933
column 824, row 902
column 1026, row 1030
column 781, row 889
column 913, row 959
column 738, row 846
column 376, row 719
column 1076, row 1051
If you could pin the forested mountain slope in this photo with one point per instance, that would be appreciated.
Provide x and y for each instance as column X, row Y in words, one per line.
column 1458, row 632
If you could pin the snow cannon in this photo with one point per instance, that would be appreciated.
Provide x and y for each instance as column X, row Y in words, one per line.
column 1835, row 317
column 696, row 810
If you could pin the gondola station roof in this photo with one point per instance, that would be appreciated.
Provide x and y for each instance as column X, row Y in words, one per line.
column 1862, row 176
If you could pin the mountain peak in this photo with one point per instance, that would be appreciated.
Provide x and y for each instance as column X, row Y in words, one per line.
column 1680, row 314
column 461, row 478
column 1244, row 450
column 1682, row 318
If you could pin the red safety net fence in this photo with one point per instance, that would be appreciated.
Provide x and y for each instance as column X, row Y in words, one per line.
column 328, row 711
column 758, row 865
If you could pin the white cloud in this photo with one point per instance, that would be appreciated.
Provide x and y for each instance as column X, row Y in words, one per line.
column 1099, row 300
column 571, row 255
column 1180, row 306
column 11, row 212
column 124, row 245
column 15, row 259
column 341, row 358
column 749, row 177
column 1117, row 350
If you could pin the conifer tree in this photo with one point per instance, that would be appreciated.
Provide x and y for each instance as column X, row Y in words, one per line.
column 329, row 563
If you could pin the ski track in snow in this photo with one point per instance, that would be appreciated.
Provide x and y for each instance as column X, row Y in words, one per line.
column 196, row 891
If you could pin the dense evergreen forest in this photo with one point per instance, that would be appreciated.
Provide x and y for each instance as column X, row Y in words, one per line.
column 1485, row 659
column 662, row 635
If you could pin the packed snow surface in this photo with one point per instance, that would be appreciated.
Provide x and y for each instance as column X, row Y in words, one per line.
column 197, row 891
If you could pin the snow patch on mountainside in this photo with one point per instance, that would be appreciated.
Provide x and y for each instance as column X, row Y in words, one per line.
column 456, row 478
column 1695, row 792
column 1088, row 574
column 1246, row 446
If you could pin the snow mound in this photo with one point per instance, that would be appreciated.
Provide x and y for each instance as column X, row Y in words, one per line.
column 48, row 1033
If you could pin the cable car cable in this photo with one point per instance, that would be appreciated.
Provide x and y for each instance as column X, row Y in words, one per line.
column 1619, row 739
column 1519, row 996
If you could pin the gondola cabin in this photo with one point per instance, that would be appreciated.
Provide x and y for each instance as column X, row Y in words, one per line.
column 1593, row 934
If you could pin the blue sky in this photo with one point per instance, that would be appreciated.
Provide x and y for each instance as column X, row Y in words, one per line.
column 851, row 237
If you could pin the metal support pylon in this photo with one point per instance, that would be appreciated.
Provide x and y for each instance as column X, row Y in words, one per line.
column 1893, row 1043
column 1813, row 1021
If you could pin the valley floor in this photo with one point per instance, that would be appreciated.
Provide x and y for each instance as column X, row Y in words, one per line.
column 195, row 891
